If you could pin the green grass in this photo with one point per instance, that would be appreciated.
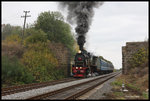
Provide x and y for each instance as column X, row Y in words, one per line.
column 118, row 94
column 117, row 83
column 133, row 87
column 145, row 95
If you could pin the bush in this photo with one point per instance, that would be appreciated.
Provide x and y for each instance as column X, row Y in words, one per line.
column 139, row 58
column 59, row 73
column 14, row 72
column 12, row 48
column 40, row 61
column 14, row 38
column 145, row 95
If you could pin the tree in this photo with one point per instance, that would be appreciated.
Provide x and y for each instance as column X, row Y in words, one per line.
column 52, row 23
column 34, row 36
column 9, row 30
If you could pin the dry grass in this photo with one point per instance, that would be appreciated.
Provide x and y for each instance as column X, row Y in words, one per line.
column 136, row 82
column 13, row 49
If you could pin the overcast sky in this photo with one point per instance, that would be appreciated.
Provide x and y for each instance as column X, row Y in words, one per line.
column 114, row 24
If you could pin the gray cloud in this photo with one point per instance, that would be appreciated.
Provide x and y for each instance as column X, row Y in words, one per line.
column 114, row 24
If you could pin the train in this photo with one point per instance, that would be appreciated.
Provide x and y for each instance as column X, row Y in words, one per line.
column 87, row 64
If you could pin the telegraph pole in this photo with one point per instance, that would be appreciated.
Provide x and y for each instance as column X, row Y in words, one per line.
column 25, row 21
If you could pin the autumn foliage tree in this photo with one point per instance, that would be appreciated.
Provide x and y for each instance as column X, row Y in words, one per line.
column 34, row 60
column 40, row 61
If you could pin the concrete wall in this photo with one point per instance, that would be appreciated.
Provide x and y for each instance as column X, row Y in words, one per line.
column 128, row 50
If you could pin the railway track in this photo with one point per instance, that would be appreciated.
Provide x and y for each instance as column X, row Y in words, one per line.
column 26, row 87
column 74, row 91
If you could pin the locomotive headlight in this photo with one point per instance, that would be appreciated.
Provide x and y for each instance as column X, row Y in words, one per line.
column 79, row 51
column 76, row 67
column 80, row 67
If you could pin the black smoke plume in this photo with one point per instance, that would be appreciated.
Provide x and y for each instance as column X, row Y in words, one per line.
column 81, row 14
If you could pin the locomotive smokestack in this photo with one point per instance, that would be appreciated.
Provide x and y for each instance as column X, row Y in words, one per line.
column 81, row 13
column 81, row 41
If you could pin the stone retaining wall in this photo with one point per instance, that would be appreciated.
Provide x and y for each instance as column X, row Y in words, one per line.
column 63, row 56
column 128, row 50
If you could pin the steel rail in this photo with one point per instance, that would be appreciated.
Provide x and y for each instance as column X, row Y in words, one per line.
column 76, row 95
column 42, row 96
column 22, row 88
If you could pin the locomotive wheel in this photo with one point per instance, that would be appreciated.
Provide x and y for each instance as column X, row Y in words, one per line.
column 85, row 76
column 87, row 71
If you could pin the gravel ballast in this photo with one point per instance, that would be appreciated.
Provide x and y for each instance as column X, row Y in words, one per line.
column 39, row 91
column 106, row 88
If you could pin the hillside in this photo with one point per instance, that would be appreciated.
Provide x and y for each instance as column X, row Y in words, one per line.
column 41, row 54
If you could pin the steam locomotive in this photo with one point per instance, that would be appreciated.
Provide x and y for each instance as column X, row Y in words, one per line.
column 86, row 64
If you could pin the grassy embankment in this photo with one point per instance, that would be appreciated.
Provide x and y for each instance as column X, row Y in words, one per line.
column 136, row 81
